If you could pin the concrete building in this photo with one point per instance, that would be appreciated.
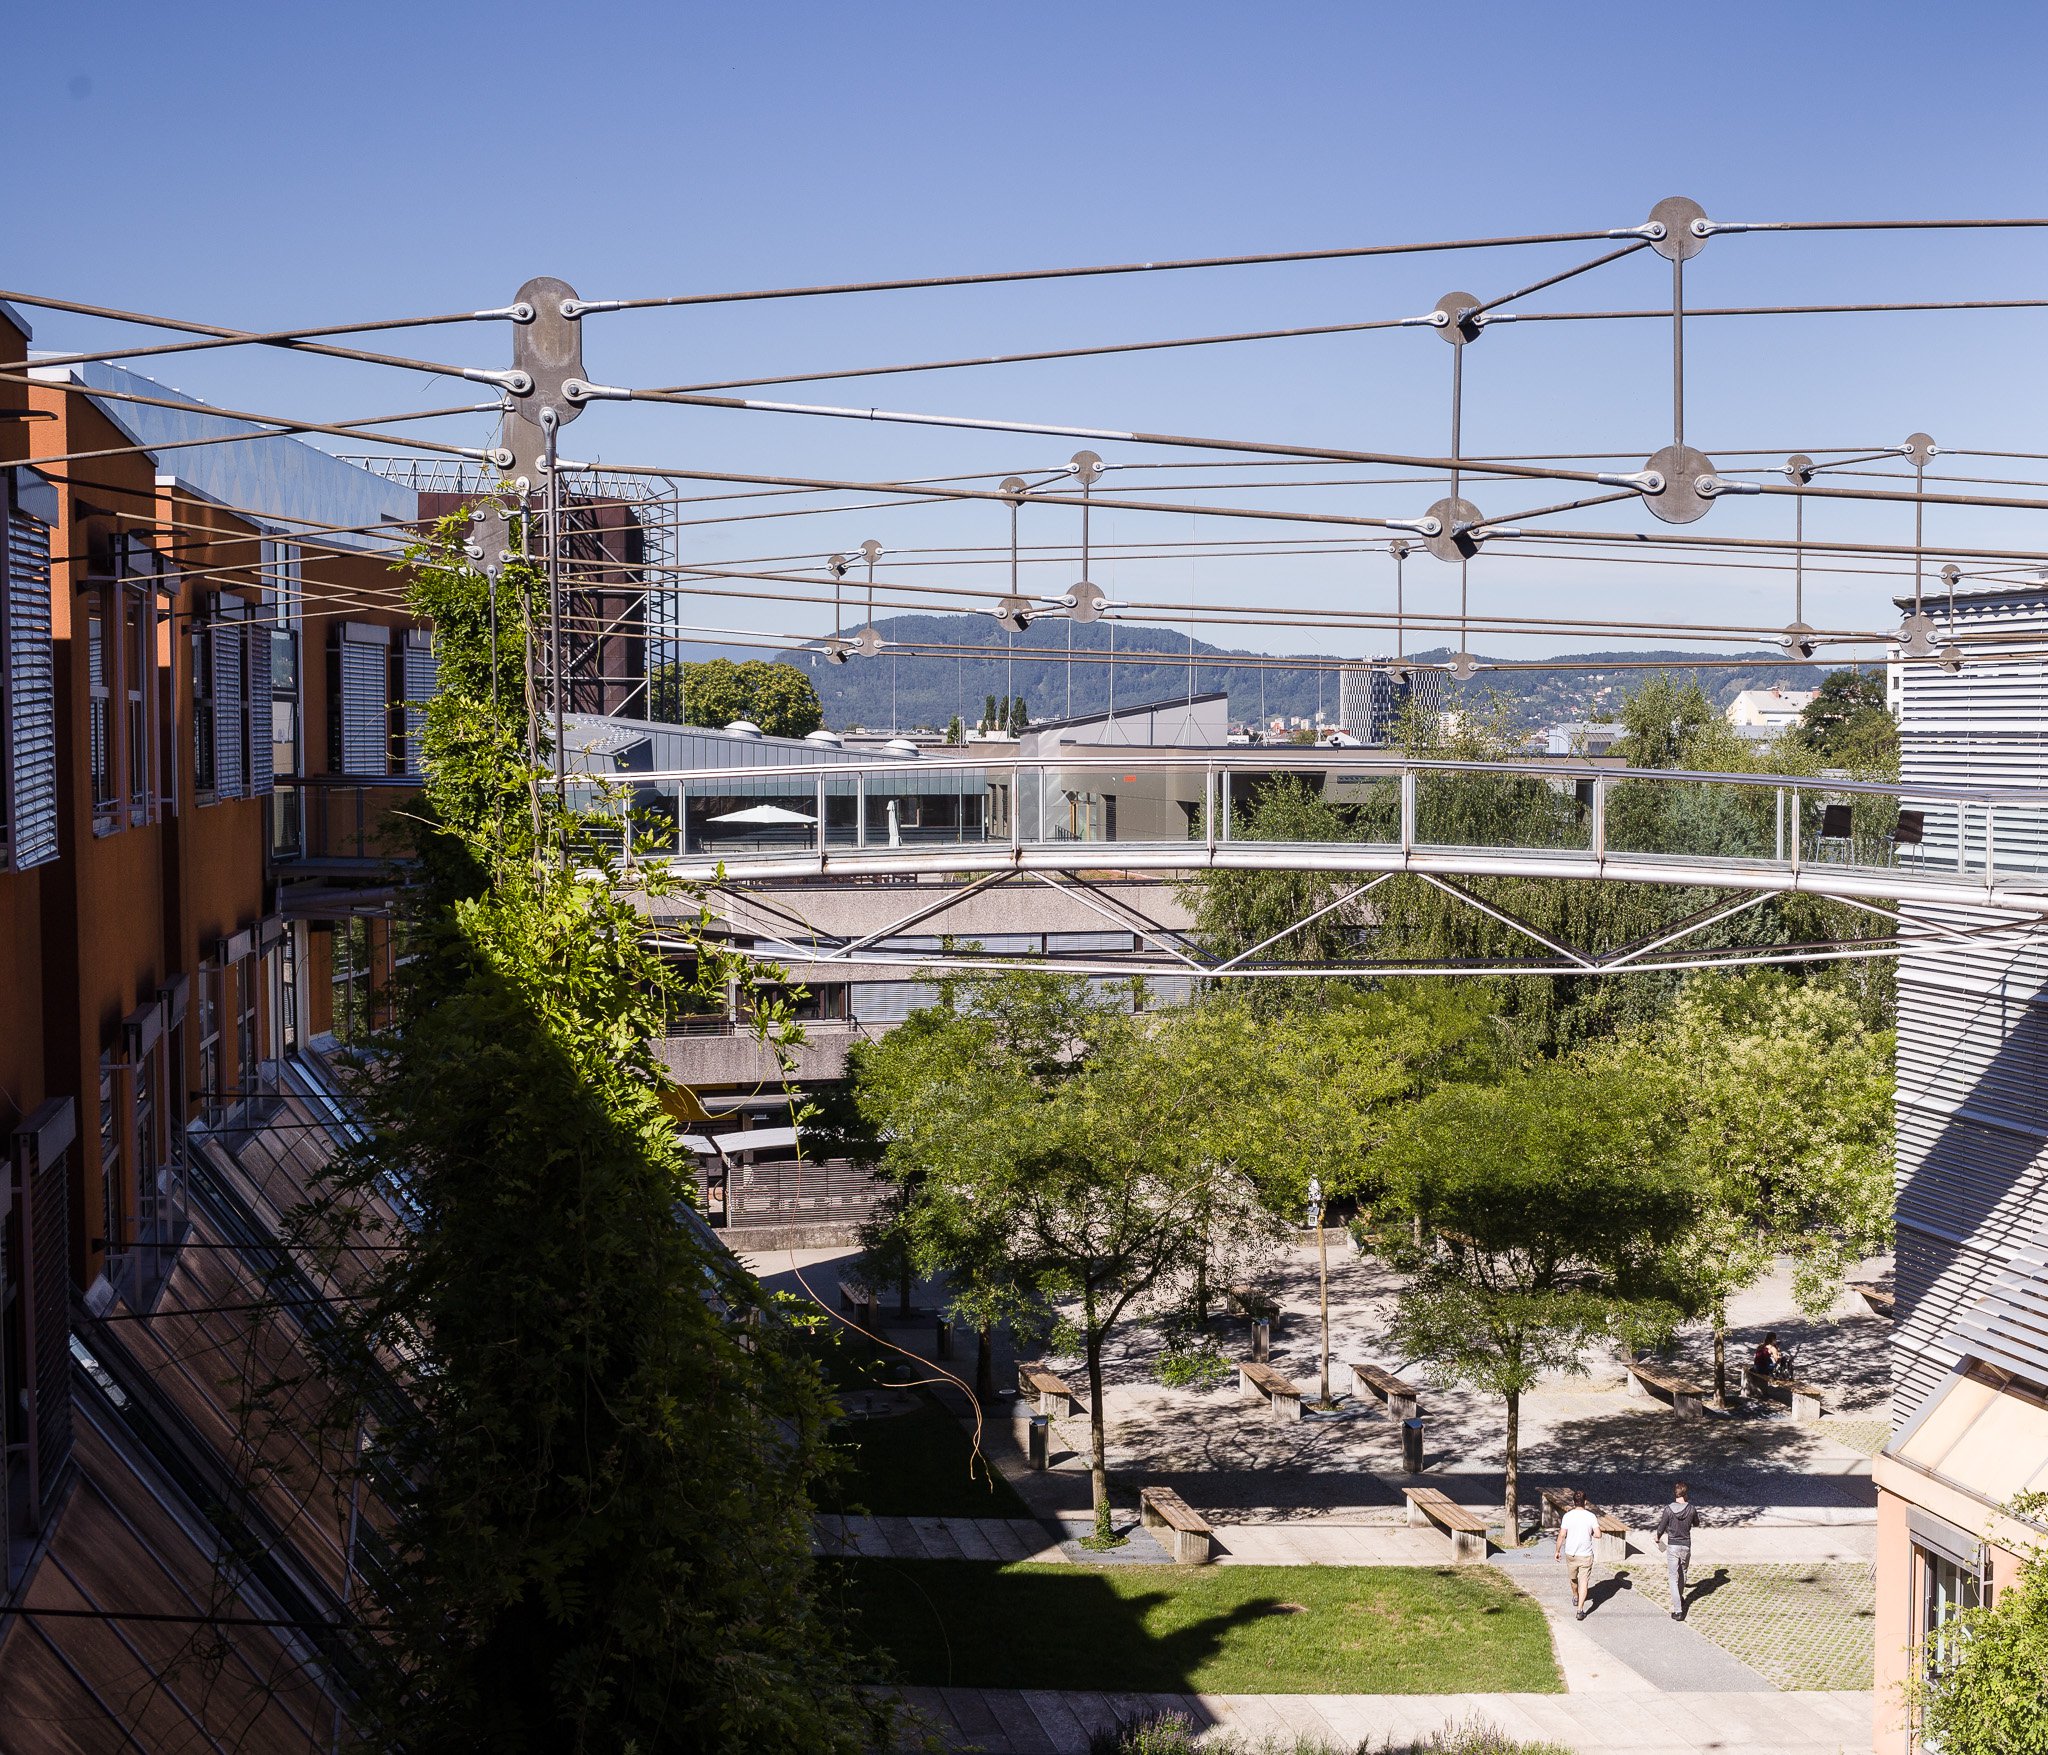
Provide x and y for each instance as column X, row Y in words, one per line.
column 1583, row 737
column 1771, row 709
column 1371, row 697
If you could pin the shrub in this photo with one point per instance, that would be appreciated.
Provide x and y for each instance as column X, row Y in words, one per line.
column 1193, row 1364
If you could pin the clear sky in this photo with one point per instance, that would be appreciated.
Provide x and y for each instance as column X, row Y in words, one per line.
column 264, row 166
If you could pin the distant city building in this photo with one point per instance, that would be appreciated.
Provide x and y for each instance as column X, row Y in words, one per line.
column 1372, row 695
column 1772, row 709
column 1583, row 737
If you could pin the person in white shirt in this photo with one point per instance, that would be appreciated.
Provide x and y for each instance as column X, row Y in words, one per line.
column 1576, row 1533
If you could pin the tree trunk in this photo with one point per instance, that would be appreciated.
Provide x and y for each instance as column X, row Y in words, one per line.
column 1098, row 1461
column 985, row 1364
column 903, row 1291
column 1512, row 1521
column 1323, row 1274
column 1720, row 1352
column 1202, row 1289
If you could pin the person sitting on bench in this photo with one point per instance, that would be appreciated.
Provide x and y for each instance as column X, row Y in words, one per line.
column 1768, row 1361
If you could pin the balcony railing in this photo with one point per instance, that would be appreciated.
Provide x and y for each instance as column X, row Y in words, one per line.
column 339, row 821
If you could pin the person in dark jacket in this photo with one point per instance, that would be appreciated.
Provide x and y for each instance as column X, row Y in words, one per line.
column 1673, row 1530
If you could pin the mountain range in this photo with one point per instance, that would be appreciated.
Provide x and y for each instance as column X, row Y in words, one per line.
column 906, row 690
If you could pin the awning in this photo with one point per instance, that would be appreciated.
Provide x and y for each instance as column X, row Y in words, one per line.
column 761, row 815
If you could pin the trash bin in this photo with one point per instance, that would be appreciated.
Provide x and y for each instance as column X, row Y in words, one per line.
column 945, row 1339
column 1411, row 1445
column 1041, row 1441
column 1262, row 1340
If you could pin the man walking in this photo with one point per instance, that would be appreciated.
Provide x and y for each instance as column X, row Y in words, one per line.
column 1577, row 1531
column 1673, row 1530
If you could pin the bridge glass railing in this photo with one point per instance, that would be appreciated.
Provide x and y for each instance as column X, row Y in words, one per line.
column 1495, row 810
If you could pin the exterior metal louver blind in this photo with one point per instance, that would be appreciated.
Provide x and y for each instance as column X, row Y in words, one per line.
column 365, row 700
column 31, row 695
column 1972, row 1116
column 422, row 678
column 256, row 633
column 229, row 708
column 41, row 1181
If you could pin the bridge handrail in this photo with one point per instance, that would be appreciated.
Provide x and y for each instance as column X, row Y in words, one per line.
column 1255, row 758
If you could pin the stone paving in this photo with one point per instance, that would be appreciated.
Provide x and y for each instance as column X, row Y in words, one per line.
column 1049, row 1722
column 1799, row 1626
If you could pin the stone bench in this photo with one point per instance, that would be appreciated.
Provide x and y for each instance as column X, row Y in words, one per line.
column 1612, row 1544
column 1879, row 1298
column 1807, row 1399
column 1688, row 1399
column 1163, row 1508
column 1048, row 1390
column 1466, row 1530
column 1401, row 1398
column 1251, row 1301
column 1283, row 1392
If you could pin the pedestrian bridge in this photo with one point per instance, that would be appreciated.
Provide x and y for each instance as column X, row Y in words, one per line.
column 1921, row 865
column 1180, row 812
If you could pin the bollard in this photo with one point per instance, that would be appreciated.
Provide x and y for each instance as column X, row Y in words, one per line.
column 1041, row 1441
column 945, row 1344
column 1411, row 1445
column 1262, row 1340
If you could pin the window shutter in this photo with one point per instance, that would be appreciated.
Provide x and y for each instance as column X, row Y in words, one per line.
column 31, row 693
column 365, row 699
column 256, row 634
column 228, row 707
column 41, row 1180
column 422, row 678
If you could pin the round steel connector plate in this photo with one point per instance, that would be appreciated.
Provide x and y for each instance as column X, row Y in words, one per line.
column 1453, row 540
column 1682, row 467
column 1454, row 328
column 1675, row 213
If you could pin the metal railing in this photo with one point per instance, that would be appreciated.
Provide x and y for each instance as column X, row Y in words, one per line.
column 338, row 819
column 1177, row 810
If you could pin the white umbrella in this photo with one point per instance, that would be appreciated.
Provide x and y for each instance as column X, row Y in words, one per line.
column 763, row 814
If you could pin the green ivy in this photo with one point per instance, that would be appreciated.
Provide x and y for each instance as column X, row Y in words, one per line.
column 609, row 1433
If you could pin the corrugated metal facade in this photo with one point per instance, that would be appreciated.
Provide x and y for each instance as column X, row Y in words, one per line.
column 31, row 693
column 1972, row 1107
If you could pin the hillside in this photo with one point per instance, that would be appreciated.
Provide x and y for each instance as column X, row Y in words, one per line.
column 905, row 691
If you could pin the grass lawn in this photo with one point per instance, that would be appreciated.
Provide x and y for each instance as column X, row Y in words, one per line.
column 1213, row 1629
column 916, row 1465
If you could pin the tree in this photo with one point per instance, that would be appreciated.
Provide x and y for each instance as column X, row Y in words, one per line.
column 1782, row 1101
column 598, row 1464
column 988, row 716
column 778, row 698
column 1044, row 1147
column 1848, row 723
column 1981, row 1681
column 1545, row 1206
column 956, row 733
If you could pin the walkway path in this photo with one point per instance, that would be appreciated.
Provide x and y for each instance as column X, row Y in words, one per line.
column 1003, row 1721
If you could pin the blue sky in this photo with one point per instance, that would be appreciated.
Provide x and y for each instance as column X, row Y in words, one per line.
column 265, row 166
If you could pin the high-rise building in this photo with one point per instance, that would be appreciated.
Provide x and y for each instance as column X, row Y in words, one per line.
column 1372, row 696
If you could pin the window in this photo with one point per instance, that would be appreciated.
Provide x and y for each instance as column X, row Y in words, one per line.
column 361, row 695
column 352, row 980
column 246, row 1054
column 112, row 1231
column 202, row 710
column 208, row 987
column 137, row 667
column 258, row 645
column 28, row 699
column 419, row 677
column 100, row 731
column 230, row 731
column 1947, row 1588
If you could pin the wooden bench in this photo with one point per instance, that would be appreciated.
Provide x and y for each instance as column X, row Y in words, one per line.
column 1806, row 1398
column 1880, row 1300
column 1688, row 1399
column 1612, row 1543
column 1283, row 1392
column 1049, row 1390
column 1467, row 1531
column 1162, row 1507
column 1247, row 1300
column 858, row 1301
column 1401, row 1398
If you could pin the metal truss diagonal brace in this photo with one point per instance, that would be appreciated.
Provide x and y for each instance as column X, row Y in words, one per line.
column 844, row 952
column 1509, row 920
column 1121, row 914
column 1305, row 920
column 1699, row 922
